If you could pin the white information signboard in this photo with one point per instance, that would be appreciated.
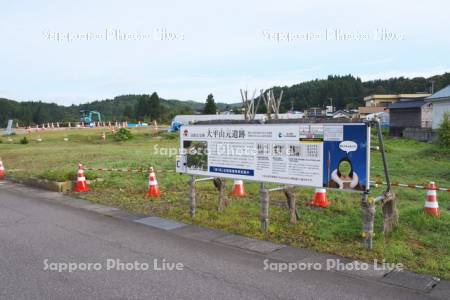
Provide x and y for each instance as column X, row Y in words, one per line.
column 314, row 155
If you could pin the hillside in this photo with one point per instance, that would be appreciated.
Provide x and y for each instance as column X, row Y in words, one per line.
column 120, row 108
column 348, row 91
column 345, row 91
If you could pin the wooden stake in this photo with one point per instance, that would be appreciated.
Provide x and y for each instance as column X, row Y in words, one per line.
column 289, row 192
column 368, row 212
column 219, row 183
column 264, row 208
column 192, row 196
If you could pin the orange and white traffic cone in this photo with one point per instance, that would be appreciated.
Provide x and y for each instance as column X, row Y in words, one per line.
column 81, row 185
column 2, row 170
column 238, row 189
column 431, row 204
column 320, row 198
column 153, row 187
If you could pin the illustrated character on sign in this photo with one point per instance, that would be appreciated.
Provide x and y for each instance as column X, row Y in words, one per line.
column 343, row 177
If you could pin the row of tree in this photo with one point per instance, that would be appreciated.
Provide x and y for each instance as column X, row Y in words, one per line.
column 344, row 91
column 349, row 92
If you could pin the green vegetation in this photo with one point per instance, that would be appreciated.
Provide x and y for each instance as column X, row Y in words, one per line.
column 210, row 106
column 444, row 131
column 123, row 135
column 24, row 140
column 346, row 91
column 420, row 242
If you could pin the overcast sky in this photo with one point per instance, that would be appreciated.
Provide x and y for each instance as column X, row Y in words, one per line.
column 188, row 49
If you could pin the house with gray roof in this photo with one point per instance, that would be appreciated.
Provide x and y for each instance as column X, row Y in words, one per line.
column 409, row 113
column 441, row 103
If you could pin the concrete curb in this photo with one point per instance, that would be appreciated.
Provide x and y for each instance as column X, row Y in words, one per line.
column 425, row 284
column 54, row 186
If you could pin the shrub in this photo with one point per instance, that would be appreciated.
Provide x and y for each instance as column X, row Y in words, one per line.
column 24, row 140
column 123, row 135
column 444, row 131
column 169, row 135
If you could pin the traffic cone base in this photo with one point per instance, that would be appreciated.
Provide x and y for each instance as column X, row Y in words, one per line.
column 153, row 191
column 238, row 189
column 2, row 170
column 81, row 187
column 320, row 198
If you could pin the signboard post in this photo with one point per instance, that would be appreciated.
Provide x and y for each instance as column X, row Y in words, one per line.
column 318, row 155
column 8, row 130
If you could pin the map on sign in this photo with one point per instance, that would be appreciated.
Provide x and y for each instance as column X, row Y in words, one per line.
column 313, row 155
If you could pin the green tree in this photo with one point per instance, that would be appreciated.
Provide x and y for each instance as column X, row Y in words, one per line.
column 142, row 107
column 210, row 106
column 444, row 131
column 128, row 112
column 155, row 109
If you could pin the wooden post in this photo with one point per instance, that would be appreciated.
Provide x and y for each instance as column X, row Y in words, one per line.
column 264, row 208
column 155, row 124
column 368, row 212
column 390, row 214
column 192, row 196
column 289, row 192
column 219, row 183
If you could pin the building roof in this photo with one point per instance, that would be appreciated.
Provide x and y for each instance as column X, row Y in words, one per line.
column 394, row 96
column 371, row 109
column 407, row 103
column 444, row 93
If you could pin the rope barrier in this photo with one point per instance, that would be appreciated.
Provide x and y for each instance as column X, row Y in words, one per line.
column 125, row 170
column 147, row 170
column 410, row 185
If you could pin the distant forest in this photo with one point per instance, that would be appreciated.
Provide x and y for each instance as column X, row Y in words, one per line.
column 345, row 92
column 348, row 91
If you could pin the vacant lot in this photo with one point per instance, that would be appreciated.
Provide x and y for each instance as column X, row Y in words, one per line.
column 420, row 242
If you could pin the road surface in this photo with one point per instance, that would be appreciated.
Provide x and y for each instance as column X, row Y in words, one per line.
column 39, row 235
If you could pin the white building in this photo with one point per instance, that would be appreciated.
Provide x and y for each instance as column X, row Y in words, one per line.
column 191, row 119
column 441, row 104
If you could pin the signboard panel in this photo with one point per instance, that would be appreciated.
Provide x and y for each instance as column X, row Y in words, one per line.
column 313, row 155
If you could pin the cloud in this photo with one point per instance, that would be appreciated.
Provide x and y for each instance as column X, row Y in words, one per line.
column 223, row 46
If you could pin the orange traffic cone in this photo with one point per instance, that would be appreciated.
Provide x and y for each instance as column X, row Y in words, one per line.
column 2, row 170
column 81, row 185
column 431, row 204
column 320, row 198
column 153, row 187
column 238, row 189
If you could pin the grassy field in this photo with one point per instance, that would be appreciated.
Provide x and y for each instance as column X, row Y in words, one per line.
column 420, row 242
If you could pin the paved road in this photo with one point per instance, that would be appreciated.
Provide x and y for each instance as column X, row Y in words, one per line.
column 33, row 229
